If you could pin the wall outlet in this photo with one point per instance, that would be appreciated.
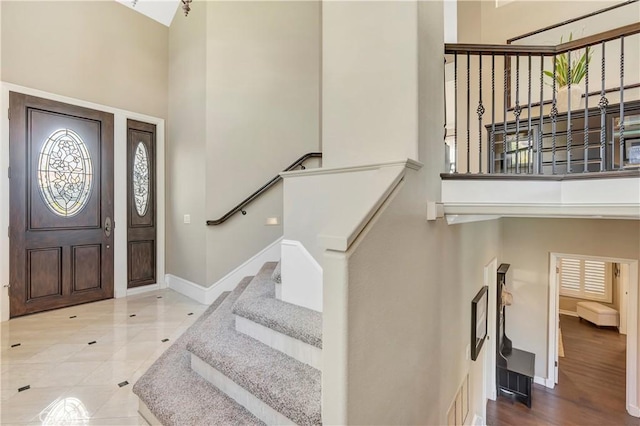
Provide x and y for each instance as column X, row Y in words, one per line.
column 187, row 218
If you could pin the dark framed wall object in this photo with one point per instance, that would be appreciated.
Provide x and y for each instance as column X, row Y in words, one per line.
column 479, row 308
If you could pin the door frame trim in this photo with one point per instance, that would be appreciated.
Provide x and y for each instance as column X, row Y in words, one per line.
column 119, row 183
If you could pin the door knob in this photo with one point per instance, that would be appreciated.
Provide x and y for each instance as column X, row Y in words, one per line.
column 107, row 227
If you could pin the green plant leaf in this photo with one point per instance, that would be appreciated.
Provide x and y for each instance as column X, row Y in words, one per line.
column 568, row 68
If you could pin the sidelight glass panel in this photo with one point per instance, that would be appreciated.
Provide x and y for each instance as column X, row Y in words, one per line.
column 65, row 173
column 141, row 179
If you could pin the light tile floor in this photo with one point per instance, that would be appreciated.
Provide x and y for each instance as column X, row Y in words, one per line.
column 73, row 382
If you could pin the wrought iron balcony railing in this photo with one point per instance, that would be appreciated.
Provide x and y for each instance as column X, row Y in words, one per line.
column 543, row 110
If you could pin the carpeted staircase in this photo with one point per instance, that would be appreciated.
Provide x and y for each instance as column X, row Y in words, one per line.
column 249, row 359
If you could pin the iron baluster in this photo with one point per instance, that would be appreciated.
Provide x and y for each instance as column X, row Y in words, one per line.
column 621, row 102
column 468, row 112
column 504, row 133
column 480, row 112
column 586, row 113
column 529, row 141
column 540, row 128
column 455, row 112
column 516, row 112
column 569, row 121
column 602, row 104
column 492, row 165
column 554, row 120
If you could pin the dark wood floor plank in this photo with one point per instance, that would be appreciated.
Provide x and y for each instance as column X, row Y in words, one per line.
column 591, row 384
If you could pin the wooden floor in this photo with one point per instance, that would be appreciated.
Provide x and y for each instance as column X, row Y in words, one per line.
column 591, row 383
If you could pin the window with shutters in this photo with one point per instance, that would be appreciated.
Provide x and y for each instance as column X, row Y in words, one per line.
column 586, row 279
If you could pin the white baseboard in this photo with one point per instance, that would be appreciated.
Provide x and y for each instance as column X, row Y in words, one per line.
column 478, row 421
column 301, row 276
column 191, row 290
column 547, row 383
column 634, row 410
column 207, row 296
column 569, row 313
column 142, row 289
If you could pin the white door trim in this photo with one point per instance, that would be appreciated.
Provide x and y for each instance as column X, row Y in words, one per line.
column 632, row 402
column 120, row 189
column 623, row 294
column 491, row 280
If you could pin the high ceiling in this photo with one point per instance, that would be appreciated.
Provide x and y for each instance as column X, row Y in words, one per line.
column 158, row 10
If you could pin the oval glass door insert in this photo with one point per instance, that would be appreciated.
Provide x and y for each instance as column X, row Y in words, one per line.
column 141, row 179
column 65, row 173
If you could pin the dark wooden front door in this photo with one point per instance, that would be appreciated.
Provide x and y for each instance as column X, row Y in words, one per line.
column 141, row 204
column 61, row 204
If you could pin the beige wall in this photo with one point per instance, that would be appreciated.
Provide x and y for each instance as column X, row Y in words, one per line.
column 101, row 52
column 263, row 100
column 244, row 104
column 497, row 24
column 410, row 286
column 527, row 244
column 430, row 111
column 186, row 143
column 396, row 333
column 369, row 82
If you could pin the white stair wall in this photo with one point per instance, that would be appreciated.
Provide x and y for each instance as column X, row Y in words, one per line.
column 301, row 276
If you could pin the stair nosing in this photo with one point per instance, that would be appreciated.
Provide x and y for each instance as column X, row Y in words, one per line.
column 262, row 307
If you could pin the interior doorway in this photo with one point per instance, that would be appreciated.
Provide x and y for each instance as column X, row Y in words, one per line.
column 628, row 320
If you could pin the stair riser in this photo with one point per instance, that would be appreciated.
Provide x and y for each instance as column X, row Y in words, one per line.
column 147, row 415
column 294, row 348
column 236, row 392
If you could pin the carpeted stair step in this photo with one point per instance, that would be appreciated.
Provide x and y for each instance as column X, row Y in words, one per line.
column 292, row 329
column 171, row 393
column 273, row 386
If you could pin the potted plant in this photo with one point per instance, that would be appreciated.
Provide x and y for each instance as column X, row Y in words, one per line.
column 578, row 71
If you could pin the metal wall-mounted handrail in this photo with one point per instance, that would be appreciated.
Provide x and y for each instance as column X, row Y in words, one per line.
column 264, row 188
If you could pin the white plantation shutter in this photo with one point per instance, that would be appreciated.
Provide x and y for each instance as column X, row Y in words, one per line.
column 594, row 278
column 585, row 279
column 570, row 277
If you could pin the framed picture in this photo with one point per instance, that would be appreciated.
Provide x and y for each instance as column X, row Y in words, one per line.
column 479, row 308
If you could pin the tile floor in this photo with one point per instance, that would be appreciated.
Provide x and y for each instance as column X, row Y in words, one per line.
column 73, row 382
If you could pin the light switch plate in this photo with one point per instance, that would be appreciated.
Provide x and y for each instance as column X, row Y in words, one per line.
column 187, row 218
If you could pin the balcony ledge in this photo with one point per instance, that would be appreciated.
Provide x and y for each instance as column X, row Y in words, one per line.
column 613, row 195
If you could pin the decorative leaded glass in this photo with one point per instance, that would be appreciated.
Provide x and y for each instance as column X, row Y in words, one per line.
column 65, row 173
column 141, row 179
